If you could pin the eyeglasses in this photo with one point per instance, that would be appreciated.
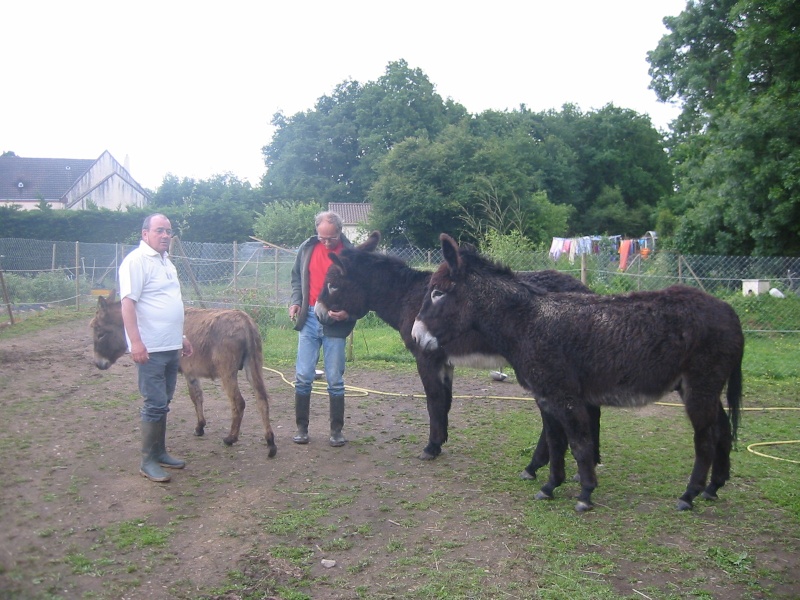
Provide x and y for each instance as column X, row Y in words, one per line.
column 331, row 239
column 162, row 231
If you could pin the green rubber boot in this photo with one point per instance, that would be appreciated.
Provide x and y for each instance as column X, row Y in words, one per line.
column 337, row 421
column 151, row 439
column 302, row 407
column 164, row 459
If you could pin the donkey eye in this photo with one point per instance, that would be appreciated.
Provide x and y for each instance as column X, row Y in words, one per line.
column 436, row 295
column 332, row 289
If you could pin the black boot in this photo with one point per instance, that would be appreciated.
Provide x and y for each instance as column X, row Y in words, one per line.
column 337, row 421
column 151, row 439
column 302, row 406
column 164, row 459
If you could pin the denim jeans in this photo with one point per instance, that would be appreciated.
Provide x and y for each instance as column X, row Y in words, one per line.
column 310, row 342
column 157, row 380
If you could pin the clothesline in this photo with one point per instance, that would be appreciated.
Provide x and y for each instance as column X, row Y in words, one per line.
column 590, row 244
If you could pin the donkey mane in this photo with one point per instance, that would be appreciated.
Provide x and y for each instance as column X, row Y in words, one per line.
column 388, row 267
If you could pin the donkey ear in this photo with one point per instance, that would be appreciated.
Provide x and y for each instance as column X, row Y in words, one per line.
column 112, row 295
column 371, row 242
column 101, row 302
column 337, row 262
column 450, row 252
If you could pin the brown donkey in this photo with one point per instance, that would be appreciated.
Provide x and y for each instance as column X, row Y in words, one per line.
column 224, row 342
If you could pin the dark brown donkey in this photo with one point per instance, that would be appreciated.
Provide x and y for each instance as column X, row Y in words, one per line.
column 574, row 351
column 362, row 280
column 224, row 343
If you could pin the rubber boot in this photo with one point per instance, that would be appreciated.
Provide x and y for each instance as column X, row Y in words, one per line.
column 151, row 439
column 337, row 421
column 164, row 459
column 302, row 406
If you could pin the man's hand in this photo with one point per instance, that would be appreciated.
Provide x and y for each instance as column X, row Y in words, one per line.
column 187, row 348
column 139, row 353
column 293, row 310
column 338, row 315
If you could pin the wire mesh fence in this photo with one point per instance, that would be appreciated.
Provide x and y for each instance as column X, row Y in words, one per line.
column 256, row 277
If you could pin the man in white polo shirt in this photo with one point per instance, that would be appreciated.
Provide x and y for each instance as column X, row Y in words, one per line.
column 152, row 311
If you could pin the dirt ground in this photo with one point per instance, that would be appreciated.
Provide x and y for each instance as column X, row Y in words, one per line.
column 70, row 451
column 75, row 475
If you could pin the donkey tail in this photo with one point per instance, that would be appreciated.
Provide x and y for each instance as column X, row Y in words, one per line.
column 734, row 395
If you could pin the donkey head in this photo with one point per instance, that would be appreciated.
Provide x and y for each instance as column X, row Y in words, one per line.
column 343, row 288
column 461, row 293
column 108, row 332
column 442, row 316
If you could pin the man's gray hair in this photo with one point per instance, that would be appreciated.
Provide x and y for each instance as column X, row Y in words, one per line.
column 148, row 218
column 330, row 217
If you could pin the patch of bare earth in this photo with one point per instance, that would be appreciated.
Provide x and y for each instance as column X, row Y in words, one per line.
column 70, row 455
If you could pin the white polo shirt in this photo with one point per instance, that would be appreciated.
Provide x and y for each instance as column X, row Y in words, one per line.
column 151, row 281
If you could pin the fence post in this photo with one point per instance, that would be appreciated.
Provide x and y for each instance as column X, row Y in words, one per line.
column 235, row 255
column 117, row 252
column 583, row 269
column 277, row 285
column 53, row 264
column 6, row 299
column 680, row 265
column 77, row 276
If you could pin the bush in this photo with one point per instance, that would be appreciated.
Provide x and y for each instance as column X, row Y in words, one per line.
column 43, row 288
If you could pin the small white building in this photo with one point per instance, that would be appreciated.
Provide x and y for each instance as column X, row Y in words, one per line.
column 355, row 216
column 69, row 183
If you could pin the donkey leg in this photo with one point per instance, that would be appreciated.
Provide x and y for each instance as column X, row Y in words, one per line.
column 582, row 425
column 721, row 467
column 594, row 424
column 540, row 457
column 594, row 427
column 557, row 445
column 196, row 394
column 705, row 443
column 230, row 384
column 253, row 373
column 437, row 380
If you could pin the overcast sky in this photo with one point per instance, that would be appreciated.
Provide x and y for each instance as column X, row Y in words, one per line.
column 190, row 88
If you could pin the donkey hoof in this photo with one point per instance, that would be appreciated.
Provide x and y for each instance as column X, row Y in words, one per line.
column 427, row 455
column 706, row 495
column 540, row 495
column 576, row 478
column 582, row 507
column 527, row 476
column 273, row 450
column 199, row 431
column 684, row 505
column 229, row 441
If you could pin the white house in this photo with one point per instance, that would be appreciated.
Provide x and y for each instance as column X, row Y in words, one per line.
column 69, row 183
column 355, row 216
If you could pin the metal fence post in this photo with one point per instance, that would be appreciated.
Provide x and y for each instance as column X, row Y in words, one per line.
column 235, row 256
column 77, row 276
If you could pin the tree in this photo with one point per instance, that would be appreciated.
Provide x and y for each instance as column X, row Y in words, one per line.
column 286, row 224
column 736, row 145
column 329, row 154
column 421, row 187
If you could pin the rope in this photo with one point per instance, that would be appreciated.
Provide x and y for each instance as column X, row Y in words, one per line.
column 319, row 388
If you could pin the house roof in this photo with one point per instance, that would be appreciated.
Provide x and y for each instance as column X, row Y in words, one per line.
column 352, row 213
column 39, row 178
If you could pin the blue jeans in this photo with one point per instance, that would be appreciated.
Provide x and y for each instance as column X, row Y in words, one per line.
column 310, row 342
column 157, row 380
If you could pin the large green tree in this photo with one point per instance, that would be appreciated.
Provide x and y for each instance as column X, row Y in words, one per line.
column 736, row 145
column 328, row 154
column 220, row 209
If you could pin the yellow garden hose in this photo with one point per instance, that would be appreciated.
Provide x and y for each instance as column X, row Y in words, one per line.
column 352, row 390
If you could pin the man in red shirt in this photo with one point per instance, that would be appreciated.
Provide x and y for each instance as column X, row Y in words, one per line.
column 308, row 275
